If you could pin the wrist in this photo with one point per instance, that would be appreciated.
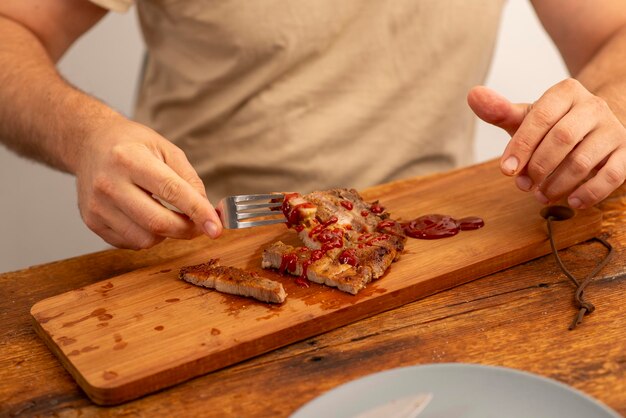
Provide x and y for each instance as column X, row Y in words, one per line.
column 92, row 120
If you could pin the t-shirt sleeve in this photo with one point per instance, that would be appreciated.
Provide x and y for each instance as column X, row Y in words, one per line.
column 114, row 5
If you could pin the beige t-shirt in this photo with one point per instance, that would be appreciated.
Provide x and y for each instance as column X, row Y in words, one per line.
column 267, row 95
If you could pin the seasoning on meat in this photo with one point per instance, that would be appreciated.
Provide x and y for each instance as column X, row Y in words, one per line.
column 316, row 267
column 348, row 242
column 234, row 281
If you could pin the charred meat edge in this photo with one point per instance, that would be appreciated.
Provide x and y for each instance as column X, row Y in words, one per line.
column 234, row 281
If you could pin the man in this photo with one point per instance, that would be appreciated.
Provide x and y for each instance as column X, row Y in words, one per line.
column 278, row 95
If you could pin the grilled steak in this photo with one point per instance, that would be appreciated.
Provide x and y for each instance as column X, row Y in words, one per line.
column 348, row 242
column 234, row 281
column 316, row 267
column 337, row 216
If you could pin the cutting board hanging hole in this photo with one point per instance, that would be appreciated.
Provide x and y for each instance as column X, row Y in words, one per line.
column 557, row 213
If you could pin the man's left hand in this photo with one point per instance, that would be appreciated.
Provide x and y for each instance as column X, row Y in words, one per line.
column 567, row 144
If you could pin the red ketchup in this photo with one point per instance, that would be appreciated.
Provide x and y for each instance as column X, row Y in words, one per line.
column 385, row 224
column 346, row 204
column 377, row 209
column 292, row 213
column 437, row 226
column 288, row 263
column 349, row 257
column 319, row 228
column 315, row 255
column 470, row 223
column 301, row 282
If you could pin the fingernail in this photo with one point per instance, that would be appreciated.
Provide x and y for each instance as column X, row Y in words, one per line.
column 541, row 198
column 510, row 165
column 575, row 202
column 524, row 183
column 211, row 229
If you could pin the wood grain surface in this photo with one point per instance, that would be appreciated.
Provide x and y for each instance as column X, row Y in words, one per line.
column 145, row 330
column 516, row 318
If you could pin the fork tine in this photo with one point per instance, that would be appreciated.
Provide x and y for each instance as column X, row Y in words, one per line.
column 249, row 197
column 249, row 224
column 249, row 215
column 258, row 206
column 234, row 209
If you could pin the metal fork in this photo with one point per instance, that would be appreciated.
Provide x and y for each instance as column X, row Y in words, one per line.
column 241, row 211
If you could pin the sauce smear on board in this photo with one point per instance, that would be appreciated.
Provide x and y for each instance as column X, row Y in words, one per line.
column 437, row 226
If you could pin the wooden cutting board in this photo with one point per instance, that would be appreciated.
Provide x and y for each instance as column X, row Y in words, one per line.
column 145, row 330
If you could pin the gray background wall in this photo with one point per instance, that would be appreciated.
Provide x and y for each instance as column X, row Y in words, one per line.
column 39, row 218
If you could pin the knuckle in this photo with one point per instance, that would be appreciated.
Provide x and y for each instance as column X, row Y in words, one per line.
column 103, row 184
column 147, row 242
column 144, row 241
column 571, row 83
column 121, row 155
column 178, row 153
column 543, row 116
column 196, row 183
column 195, row 211
column 563, row 135
column 159, row 225
column 614, row 176
column 552, row 193
column 524, row 144
column 170, row 190
column 92, row 223
column 134, row 237
column 581, row 165
column 91, row 209
column 592, row 195
column 537, row 169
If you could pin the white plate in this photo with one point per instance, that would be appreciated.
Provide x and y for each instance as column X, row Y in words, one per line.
column 460, row 390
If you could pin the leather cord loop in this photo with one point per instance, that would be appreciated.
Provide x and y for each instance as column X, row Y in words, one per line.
column 584, row 307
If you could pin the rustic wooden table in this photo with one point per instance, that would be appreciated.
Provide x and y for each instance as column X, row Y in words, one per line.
column 516, row 318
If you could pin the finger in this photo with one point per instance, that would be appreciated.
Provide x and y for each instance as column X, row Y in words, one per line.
column 523, row 181
column 134, row 203
column 177, row 160
column 158, row 178
column 560, row 141
column 497, row 110
column 118, row 241
column 114, row 238
column 126, row 233
column 576, row 167
column 543, row 115
column 606, row 180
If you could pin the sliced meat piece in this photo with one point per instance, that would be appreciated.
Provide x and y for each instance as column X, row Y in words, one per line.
column 324, row 236
column 349, row 242
column 298, row 211
column 317, row 267
column 376, row 258
column 234, row 281
column 394, row 243
column 348, row 207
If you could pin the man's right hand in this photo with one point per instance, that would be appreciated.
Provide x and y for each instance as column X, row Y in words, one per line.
column 119, row 167
column 118, row 164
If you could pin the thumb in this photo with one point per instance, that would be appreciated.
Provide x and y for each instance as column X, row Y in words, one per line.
column 495, row 109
